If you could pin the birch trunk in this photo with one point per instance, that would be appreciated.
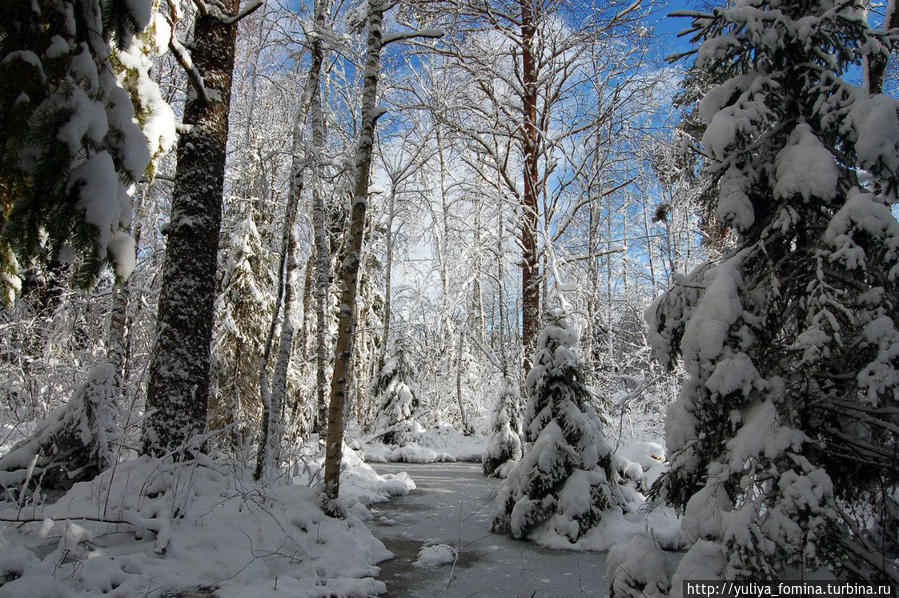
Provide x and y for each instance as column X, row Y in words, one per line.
column 388, row 272
column 272, row 401
column 322, row 270
column 350, row 267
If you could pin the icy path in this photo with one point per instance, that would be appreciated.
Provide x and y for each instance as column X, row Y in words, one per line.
column 454, row 505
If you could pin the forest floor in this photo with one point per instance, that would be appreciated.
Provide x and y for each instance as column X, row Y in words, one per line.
column 453, row 505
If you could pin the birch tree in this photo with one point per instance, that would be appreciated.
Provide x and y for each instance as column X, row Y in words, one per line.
column 374, row 11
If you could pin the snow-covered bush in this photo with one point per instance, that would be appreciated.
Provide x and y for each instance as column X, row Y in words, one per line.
column 396, row 393
column 784, row 434
column 74, row 443
column 504, row 446
column 636, row 569
column 567, row 478
column 154, row 527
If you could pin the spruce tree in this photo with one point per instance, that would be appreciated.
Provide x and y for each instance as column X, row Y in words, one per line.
column 504, row 447
column 783, row 440
column 567, row 477
column 397, row 395
column 71, row 147
column 243, row 310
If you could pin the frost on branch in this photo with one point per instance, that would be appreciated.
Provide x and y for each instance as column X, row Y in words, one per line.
column 74, row 443
column 567, row 479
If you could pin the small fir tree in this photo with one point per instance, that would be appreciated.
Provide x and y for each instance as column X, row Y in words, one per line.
column 504, row 447
column 397, row 394
column 567, row 477
column 243, row 312
column 783, row 440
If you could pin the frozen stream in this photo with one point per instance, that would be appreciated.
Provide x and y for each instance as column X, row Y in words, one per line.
column 453, row 505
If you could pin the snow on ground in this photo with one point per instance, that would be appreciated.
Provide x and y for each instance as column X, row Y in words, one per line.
column 443, row 442
column 148, row 527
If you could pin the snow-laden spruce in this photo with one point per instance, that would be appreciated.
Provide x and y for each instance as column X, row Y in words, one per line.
column 504, row 447
column 396, row 393
column 783, row 441
column 242, row 312
column 566, row 479
column 72, row 147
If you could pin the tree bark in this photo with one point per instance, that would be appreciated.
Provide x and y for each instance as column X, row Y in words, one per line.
column 388, row 273
column 178, row 386
column 322, row 255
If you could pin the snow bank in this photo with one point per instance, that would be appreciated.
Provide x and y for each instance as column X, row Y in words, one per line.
column 617, row 527
column 148, row 527
column 360, row 483
column 443, row 442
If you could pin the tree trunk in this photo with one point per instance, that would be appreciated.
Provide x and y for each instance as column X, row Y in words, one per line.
column 350, row 267
column 466, row 425
column 500, row 276
column 269, row 451
column 876, row 67
column 530, row 267
column 388, row 272
column 269, row 442
column 322, row 260
column 178, row 386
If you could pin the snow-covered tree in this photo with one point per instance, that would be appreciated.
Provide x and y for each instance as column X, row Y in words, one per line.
column 396, row 393
column 243, row 310
column 783, row 440
column 567, row 477
column 504, row 446
column 71, row 146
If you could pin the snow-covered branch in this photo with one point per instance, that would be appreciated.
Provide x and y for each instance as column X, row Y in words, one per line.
column 407, row 35
column 182, row 55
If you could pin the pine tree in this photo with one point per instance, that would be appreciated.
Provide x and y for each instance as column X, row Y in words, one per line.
column 504, row 446
column 71, row 146
column 567, row 477
column 783, row 440
column 397, row 395
column 243, row 311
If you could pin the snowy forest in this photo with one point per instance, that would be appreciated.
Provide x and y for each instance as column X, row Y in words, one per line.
column 501, row 298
